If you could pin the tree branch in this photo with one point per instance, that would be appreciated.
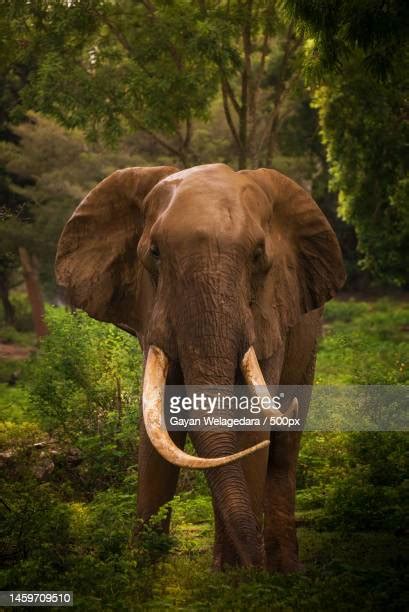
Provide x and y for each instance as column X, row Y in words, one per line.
column 282, row 89
column 255, row 120
column 229, row 118
column 245, row 84
column 151, row 8
column 164, row 144
column 120, row 36
column 230, row 92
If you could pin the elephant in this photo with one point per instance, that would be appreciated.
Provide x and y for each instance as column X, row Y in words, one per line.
column 207, row 266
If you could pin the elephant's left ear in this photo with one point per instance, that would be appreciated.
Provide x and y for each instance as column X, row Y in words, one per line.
column 306, row 253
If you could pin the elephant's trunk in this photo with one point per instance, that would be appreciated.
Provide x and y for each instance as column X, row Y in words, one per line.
column 231, row 500
column 211, row 342
column 210, row 357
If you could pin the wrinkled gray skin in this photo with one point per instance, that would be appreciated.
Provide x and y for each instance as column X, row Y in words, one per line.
column 204, row 263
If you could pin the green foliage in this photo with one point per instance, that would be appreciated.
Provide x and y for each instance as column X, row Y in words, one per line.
column 365, row 131
column 51, row 169
column 23, row 320
column 338, row 577
column 156, row 68
column 13, row 400
column 359, row 480
column 130, row 64
column 374, row 331
column 356, row 56
column 84, row 388
column 10, row 362
column 358, row 505
column 45, row 541
column 355, row 482
column 338, row 27
column 31, row 518
column 81, row 391
column 324, row 456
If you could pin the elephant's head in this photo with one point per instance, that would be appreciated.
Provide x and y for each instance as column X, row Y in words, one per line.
column 206, row 266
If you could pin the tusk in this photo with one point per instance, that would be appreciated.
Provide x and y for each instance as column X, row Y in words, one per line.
column 156, row 369
column 254, row 378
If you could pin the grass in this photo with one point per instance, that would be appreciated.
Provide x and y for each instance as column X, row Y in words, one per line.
column 338, row 577
column 364, row 343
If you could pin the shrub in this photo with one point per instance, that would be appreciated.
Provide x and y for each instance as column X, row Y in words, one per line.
column 355, row 504
column 375, row 494
column 34, row 536
column 84, row 386
column 359, row 480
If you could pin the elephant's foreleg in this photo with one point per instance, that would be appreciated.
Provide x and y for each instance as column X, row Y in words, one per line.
column 157, row 480
column 280, row 537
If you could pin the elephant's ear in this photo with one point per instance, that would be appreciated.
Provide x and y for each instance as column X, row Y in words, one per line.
column 307, row 268
column 97, row 253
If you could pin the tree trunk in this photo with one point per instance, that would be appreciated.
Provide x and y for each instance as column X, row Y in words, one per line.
column 34, row 293
column 8, row 308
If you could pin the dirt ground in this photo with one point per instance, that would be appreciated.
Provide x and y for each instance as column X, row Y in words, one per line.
column 14, row 352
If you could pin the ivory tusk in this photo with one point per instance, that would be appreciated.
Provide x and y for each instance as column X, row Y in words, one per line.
column 156, row 369
column 254, row 378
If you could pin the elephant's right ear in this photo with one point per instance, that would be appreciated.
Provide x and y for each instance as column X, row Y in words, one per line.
column 97, row 253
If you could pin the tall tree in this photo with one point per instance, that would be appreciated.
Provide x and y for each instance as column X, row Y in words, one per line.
column 16, row 66
column 50, row 169
column 117, row 67
column 34, row 292
column 358, row 61
column 155, row 66
column 365, row 129
column 258, row 77
column 337, row 28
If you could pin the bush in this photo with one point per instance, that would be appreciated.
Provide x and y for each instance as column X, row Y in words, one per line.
column 84, row 387
column 34, row 536
column 14, row 402
column 10, row 370
column 104, row 526
column 358, row 480
column 375, row 494
column 323, row 456
column 355, row 504
column 46, row 543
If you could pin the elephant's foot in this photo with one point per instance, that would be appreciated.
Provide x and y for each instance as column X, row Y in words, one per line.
column 282, row 556
column 225, row 556
column 223, row 553
column 285, row 565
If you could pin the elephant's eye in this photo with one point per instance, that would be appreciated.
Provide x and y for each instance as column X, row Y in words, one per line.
column 154, row 251
column 261, row 261
column 258, row 254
